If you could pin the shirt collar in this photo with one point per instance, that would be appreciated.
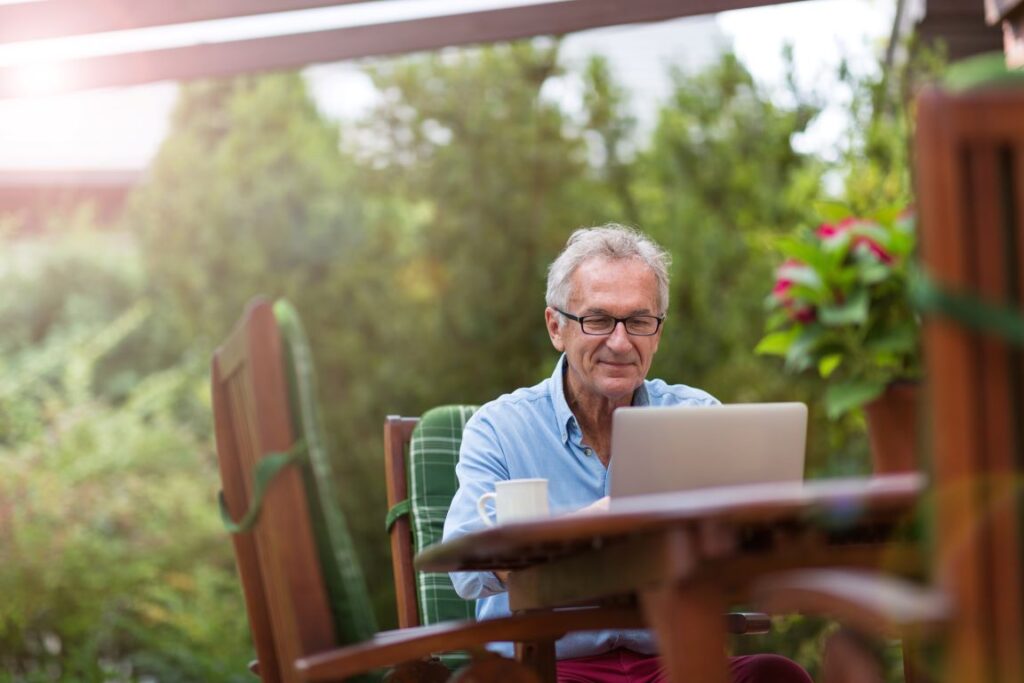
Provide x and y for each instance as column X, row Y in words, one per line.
column 563, row 414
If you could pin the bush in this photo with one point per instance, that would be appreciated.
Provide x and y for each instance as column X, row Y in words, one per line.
column 106, row 501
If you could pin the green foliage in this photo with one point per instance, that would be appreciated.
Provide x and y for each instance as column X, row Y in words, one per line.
column 250, row 195
column 875, row 163
column 840, row 307
column 67, row 286
column 251, row 182
column 719, row 176
column 717, row 183
column 500, row 178
column 986, row 70
column 836, row 308
column 104, row 501
column 803, row 640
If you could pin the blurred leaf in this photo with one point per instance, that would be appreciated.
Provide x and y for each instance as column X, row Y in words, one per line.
column 777, row 343
column 799, row 356
column 895, row 340
column 832, row 211
column 853, row 311
column 828, row 364
column 841, row 397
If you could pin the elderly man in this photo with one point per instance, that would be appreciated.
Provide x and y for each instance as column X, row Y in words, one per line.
column 607, row 295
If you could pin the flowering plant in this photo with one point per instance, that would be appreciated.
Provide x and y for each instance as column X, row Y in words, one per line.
column 839, row 306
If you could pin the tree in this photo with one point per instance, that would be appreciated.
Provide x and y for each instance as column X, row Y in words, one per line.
column 247, row 194
column 501, row 180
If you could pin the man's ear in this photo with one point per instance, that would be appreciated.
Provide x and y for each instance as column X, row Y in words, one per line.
column 554, row 329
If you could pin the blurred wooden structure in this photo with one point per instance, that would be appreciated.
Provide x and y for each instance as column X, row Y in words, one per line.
column 970, row 175
column 685, row 556
column 1010, row 15
column 33, row 196
column 960, row 26
column 289, row 51
column 397, row 435
column 970, row 165
column 959, row 22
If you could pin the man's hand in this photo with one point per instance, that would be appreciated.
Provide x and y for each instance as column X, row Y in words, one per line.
column 600, row 505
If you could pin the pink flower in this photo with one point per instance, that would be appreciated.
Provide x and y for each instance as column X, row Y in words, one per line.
column 826, row 231
column 797, row 312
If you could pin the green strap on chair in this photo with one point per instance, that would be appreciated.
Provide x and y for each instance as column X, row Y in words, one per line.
column 987, row 70
column 350, row 606
column 968, row 309
column 267, row 468
column 397, row 511
column 346, row 585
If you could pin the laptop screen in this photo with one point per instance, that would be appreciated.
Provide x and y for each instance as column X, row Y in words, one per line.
column 677, row 448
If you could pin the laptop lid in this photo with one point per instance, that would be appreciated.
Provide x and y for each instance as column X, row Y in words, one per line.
column 676, row 448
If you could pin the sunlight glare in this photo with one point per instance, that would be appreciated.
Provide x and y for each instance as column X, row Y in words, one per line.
column 39, row 78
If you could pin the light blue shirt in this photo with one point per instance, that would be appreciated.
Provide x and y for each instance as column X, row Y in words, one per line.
column 533, row 433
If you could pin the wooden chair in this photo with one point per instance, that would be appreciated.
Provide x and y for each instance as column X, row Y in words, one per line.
column 303, row 587
column 421, row 482
column 970, row 184
column 420, row 456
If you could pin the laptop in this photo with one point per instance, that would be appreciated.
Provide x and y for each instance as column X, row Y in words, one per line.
column 677, row 448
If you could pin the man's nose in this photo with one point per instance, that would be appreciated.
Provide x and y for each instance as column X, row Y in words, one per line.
column 619, row 339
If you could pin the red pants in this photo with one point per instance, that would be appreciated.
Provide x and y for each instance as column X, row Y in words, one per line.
column 626, row 666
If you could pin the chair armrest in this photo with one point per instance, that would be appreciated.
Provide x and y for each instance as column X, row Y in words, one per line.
column 748, row 623
column 867, row 601
column 392, row 647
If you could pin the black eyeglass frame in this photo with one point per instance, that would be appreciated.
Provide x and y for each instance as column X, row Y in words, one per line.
column 583, row 318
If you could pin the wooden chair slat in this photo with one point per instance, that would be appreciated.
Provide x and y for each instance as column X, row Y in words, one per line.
column 999, row 379
column 247, row 557
column 397, row 434
column 950, row 357
column 277, row 561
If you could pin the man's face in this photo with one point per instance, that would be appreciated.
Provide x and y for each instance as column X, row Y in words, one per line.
column 609, row 366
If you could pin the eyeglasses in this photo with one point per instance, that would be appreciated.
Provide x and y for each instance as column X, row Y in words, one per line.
column 636, row 325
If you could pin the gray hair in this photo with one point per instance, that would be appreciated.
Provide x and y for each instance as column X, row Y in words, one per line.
column 611, row 241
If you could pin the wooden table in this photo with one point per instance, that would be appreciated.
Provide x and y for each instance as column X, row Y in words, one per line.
column 687, row 556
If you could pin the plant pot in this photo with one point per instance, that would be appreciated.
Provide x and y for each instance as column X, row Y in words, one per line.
column 892, row 428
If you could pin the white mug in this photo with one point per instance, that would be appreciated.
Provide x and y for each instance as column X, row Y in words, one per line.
column 515, row 499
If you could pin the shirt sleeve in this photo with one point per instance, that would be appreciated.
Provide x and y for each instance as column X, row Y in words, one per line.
column 481, row 464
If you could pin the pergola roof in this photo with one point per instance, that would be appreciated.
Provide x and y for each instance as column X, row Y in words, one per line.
column 63, row 18
column 959, row 22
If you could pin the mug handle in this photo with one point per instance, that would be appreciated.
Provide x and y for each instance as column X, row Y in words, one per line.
column 482, row 509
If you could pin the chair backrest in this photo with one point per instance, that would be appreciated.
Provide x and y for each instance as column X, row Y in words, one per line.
column 303, row 587
column 420, row 459
column 970, row 183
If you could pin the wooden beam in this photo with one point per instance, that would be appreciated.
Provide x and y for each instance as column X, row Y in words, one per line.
column 58, row 18
column 333, row 45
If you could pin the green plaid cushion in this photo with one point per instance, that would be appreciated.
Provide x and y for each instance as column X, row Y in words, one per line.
column 433, row 453
column 346, row 587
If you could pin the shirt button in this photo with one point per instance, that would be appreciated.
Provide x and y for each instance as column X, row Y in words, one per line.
column 587, row 451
